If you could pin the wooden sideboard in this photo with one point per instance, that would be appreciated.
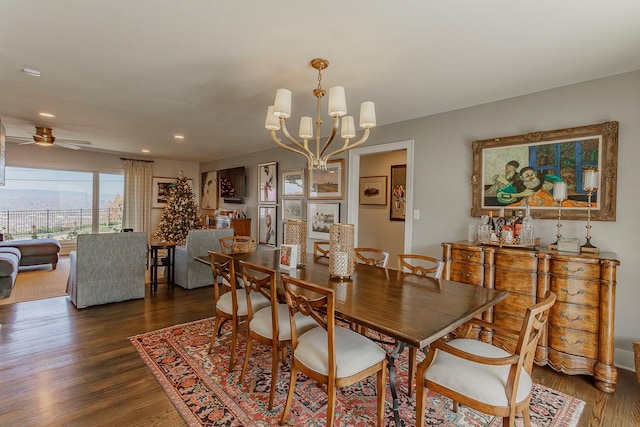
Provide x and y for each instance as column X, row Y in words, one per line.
column 241, row 226
column 579, row 334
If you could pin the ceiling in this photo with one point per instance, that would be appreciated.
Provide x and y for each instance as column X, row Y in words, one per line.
column 128, row 75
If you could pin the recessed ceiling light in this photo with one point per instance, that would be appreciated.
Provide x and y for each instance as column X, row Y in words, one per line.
column 31, row 72
column 46, row 114
column 178, row 136
column 145, row 151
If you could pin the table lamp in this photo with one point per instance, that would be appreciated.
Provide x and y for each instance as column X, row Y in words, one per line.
column 590, row 185
column 559, row 195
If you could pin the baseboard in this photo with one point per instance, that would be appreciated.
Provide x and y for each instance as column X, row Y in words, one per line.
column 624, row 359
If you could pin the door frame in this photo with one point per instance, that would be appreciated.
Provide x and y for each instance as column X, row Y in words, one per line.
column 354, row 185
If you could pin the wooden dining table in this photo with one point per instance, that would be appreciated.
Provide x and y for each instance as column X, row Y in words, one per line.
column 413, row 311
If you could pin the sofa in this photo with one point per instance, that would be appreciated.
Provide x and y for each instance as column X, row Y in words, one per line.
column 36, row 251
column 107, row 268
column 9, row 264
column 189, row 273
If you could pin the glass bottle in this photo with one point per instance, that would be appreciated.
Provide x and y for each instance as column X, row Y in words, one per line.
column 527, row 236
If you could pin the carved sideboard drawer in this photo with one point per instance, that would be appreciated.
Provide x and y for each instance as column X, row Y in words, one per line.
column 574, row 291
column 520, row 281
column 575, row 317
column 508, row 320
column 466, row 273
column 517, row 259
column 574, row 268
column 578, row 343
column 474, row 256
column 515, row 304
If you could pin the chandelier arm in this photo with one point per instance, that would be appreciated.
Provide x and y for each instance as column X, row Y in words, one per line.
column 334, row 131
column 348, row 146
column 285, row 131
column 280, row 144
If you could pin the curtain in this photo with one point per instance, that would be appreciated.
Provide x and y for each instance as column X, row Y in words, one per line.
column 138, row 182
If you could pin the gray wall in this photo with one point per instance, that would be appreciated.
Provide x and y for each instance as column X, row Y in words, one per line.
column 443, row 168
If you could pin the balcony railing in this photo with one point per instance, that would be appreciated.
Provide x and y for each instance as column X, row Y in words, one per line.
column 62, row 224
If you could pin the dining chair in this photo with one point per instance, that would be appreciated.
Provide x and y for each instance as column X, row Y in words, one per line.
column 482, row 376
column 320, row 249
column 329, row 354
column 269, row 325
column 419, row 265
column 237, row 244
column 231, row 305
column 372, row 256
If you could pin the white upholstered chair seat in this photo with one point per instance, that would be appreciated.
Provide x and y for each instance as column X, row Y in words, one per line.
column 224, row 304
column 354, row 352
column 483, row 383
column 261, row 322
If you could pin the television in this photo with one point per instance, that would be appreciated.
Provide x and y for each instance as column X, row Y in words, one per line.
column 232, row 184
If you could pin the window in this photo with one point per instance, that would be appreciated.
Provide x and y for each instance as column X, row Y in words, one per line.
column 59, row 204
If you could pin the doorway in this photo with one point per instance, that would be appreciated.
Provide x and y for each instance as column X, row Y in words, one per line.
column 353, row 206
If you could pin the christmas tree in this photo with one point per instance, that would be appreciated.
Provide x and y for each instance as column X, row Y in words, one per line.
column 180, row 215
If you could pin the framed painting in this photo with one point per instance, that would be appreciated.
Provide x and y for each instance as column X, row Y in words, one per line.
column 515, row 171
column 209, row 190
column 293, row 183
column 161, row 189
column 268, row 183
column 292, row 209
column 267, row 225
column 397, row 208
column 327, row 184
column 320, row 216
column 373, row 190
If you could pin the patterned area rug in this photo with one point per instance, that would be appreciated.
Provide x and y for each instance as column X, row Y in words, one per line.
column 205, row 394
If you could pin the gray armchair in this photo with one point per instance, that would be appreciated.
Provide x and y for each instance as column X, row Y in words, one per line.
column 107, row 268
column 189, row 273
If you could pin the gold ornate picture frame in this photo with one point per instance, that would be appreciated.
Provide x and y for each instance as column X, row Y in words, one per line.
column 553, row 155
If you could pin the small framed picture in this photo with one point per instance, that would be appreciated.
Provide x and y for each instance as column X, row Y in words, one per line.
column 267, row 225
column 209, row 190
column 268, row 183
column 292, row 209
column 397, row 210
column 320, row 216
column 288, row 257
column 293, row 183
column 373, row 190
column 161, row 189
column 327, row 184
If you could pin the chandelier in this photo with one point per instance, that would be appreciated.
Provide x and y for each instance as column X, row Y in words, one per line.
column 317, row 159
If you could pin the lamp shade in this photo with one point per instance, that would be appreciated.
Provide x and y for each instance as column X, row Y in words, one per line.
column 271, row 122
column 337, row 102
column 282, row 106
column 367, row 115
column 306, row 127
column 347, row 130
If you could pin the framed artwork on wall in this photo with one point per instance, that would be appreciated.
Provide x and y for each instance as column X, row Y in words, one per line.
column 161, row 188
column 327, row 184
column 267, row 225
column 515, row 171
column 320, row 216
column 209, row 190
column 293, row 183
column 397, row 208
column 373, row 190
column 292, row 209
column 268, row 183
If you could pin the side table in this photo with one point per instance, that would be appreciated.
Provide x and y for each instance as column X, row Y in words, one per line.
column 157, row 261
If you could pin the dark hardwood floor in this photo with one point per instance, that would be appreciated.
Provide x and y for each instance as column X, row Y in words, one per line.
column 60, row 366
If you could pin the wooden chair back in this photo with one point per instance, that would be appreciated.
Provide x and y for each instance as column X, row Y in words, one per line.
column 320, row 250
column 261, row 280
column 420, row 265
column 224, row 277
column 372, row 256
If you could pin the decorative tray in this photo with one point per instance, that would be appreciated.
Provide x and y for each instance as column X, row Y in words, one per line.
column 500, row 244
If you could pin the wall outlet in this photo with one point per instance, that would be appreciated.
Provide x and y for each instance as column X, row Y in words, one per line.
column 416, row 214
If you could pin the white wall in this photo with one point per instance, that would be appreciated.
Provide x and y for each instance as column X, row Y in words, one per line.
column 443, row 167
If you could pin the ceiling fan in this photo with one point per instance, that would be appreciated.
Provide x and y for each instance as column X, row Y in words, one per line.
column 44, row 137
